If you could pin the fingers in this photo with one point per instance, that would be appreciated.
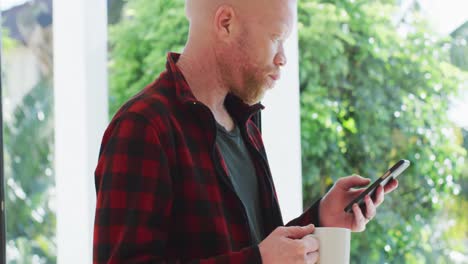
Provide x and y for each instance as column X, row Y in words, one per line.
column 312, row 258
column 310, row 246
column 379, row 196
column 349, row 182
column 392, row 185
column 311, row 243
column 362, row 218
column 370, row 207
column 359, row 219
column 296, row 232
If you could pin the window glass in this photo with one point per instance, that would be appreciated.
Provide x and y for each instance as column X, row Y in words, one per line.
column 28, row 127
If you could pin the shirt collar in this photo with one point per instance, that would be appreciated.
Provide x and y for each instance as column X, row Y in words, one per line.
column 236, row 107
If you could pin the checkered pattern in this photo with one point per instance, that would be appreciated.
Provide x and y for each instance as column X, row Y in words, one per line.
column 163, row 193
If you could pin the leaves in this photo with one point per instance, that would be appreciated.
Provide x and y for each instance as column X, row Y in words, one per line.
column 139, row 43
column 369, row 97
column 30, row 220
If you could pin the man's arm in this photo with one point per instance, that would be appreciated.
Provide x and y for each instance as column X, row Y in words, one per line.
column 310, row 216
column 329, row 210
column 134, row 199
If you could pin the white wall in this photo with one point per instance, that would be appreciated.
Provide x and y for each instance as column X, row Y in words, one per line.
column 80, row 90
column 281, row 133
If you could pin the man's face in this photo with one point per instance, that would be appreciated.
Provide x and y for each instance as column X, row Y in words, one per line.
column 251, row 64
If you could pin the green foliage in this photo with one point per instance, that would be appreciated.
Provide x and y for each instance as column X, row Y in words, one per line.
column 369, row 97
column 30, row 221
column 459, row 51
column 7, row 42
column 29, row 177
column 114, row 10
column 139, row 43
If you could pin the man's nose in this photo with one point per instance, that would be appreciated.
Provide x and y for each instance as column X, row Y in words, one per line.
column 280, row 58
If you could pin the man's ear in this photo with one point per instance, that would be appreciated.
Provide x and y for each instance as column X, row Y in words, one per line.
column 224, row 21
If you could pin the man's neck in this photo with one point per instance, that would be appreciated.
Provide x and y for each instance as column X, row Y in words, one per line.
column 201, row 74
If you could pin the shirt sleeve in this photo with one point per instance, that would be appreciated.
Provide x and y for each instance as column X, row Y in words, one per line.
column 134, row 198
column 310, row 216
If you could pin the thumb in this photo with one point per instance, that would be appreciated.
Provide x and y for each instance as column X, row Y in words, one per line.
column 349, row 182
column 298, row 232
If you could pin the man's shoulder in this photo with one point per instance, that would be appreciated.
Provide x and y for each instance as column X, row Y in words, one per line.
column 154, row 103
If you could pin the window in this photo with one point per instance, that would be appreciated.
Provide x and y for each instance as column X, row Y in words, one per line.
column 28, row 126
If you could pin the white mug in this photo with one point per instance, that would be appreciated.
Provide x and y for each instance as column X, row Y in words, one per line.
column 335, row 244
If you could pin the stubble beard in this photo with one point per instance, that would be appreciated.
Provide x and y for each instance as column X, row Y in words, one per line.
column 253, row 88
column 252, row 84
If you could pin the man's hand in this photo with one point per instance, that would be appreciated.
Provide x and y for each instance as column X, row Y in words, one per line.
column 289, row 245
column 332, row 206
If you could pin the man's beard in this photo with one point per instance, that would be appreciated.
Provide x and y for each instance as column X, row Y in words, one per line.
column 252, row 88
column 252, row 85
column 238, row 63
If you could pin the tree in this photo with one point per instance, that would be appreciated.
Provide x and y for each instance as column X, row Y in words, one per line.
column 369, row 96
column 459, row 50
column 30, row 216
column 139, row 43
column 28, row 148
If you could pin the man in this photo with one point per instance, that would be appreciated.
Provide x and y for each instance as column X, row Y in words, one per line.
column 182, row 174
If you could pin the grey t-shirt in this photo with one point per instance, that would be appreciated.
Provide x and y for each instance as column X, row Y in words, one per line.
column 243, row 176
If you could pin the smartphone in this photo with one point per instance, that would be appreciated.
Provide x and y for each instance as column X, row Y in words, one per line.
column 390, row 174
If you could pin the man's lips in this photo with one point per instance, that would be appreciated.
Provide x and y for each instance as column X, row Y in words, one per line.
column 275, row 77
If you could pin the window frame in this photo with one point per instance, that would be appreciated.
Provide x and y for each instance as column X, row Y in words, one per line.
column 2, row 179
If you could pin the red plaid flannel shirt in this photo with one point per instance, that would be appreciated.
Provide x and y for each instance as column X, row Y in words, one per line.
column 163, row 193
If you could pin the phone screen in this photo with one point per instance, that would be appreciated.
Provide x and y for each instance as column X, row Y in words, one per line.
column 390, row 174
